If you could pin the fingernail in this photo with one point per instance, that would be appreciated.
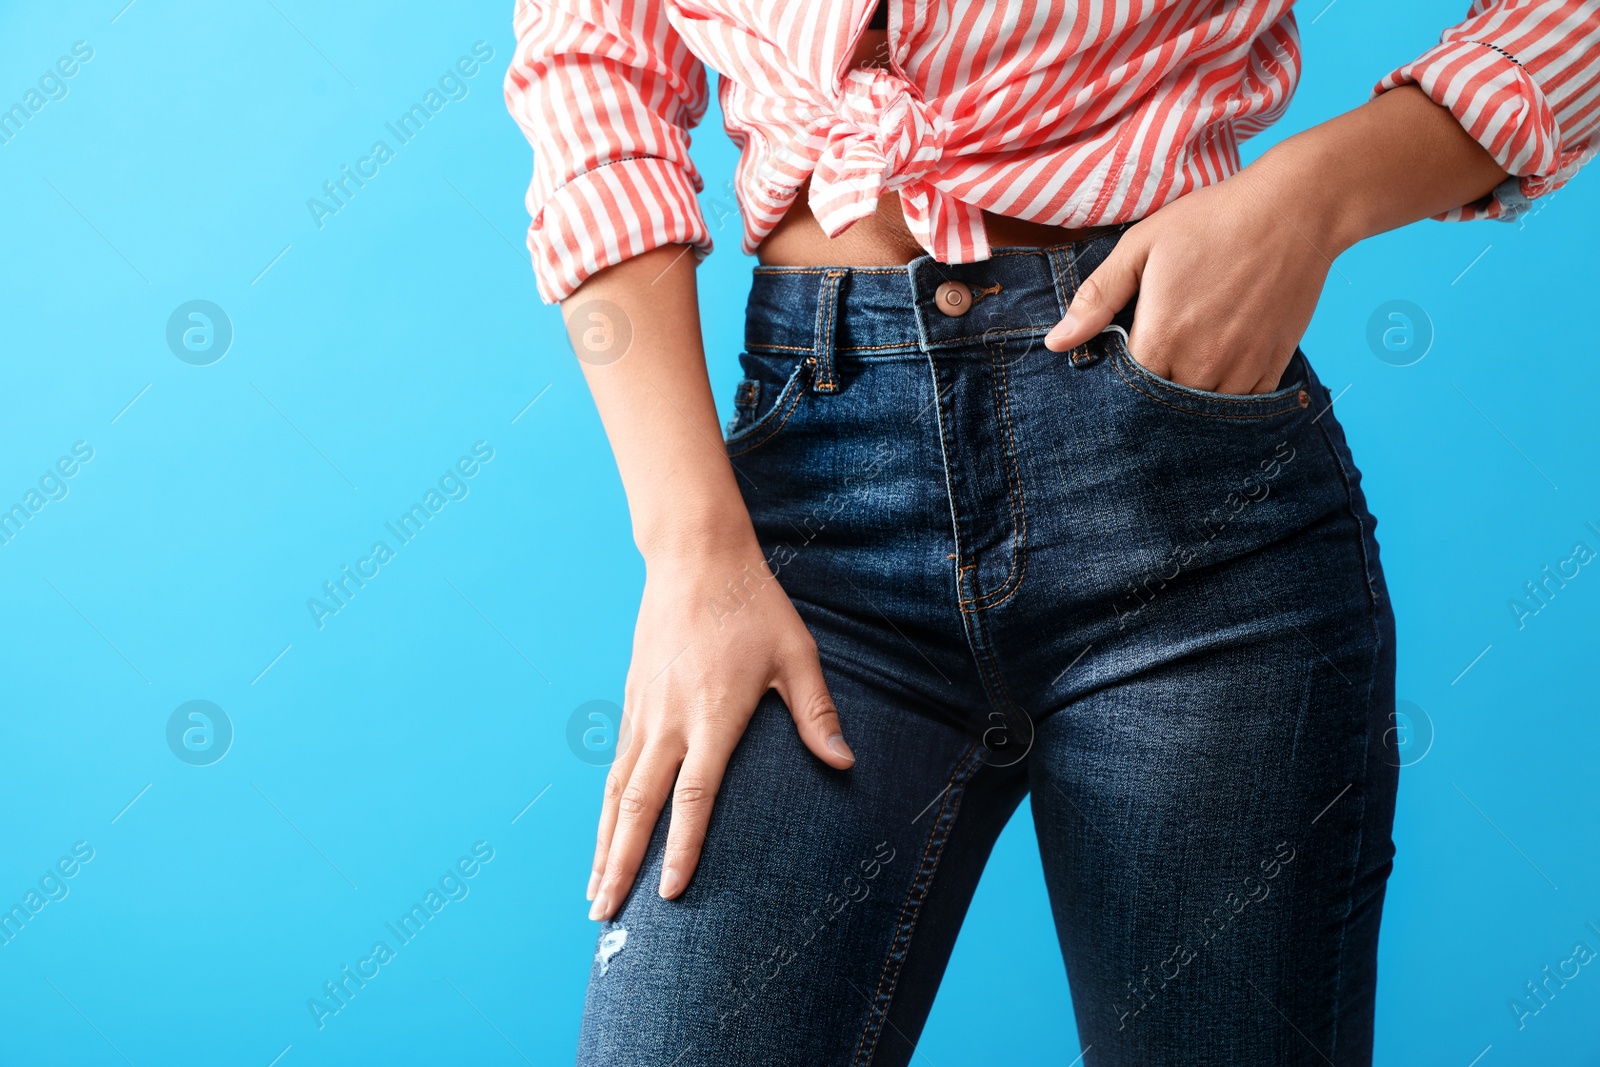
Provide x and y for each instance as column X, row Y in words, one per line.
column 601, row 907
column 1062, row 328
column 594, row 883
column 671, row 882
column 837, row 746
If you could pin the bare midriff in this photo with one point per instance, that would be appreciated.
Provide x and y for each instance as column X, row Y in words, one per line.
column 883, row 238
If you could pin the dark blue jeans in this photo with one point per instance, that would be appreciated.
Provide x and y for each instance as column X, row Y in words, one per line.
column 1157, row 612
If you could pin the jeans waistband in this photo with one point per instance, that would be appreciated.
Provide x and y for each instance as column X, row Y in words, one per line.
column 842, row 312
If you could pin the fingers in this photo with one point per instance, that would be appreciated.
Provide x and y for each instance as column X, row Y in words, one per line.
column 1244, row 383
column 1243, row 380
column 806, row 693
column 638, row 805
column 686, row 753
column 1103, row 293
column 616, row 783
column 1159, row 367
column 692, row 798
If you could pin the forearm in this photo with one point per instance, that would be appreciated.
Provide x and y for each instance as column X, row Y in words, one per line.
column 1394, row 160
column 656, row 405
column 693, row 680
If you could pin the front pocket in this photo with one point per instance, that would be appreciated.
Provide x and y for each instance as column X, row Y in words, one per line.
column 1294, row 397
column 765, row 399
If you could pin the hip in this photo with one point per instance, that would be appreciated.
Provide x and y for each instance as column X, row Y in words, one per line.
column 948, row 466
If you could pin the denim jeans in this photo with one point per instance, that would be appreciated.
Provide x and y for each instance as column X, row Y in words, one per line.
column 1155, row 611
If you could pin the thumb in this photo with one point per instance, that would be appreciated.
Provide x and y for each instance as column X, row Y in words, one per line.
column 1103, row 293
column 815, row 716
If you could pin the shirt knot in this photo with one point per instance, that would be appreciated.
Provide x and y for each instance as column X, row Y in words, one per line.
column 882, row 137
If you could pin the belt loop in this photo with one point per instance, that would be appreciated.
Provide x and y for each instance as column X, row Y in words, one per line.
column 1066, row 280
column 822, row 378
column 1064, row 265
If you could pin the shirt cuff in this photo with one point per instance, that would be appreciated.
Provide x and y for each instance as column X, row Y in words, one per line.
column 612, row 213
column 1500, row 105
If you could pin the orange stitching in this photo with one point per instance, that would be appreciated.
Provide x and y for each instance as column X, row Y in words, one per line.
column 1014, row 472
column 1282, row 408
column 1075, row 356
column 874, row 348
column 991, row 334
column 786, row 348
column 819, row 377
column 1019, row 554
column 940, row 396
column 959, row 777
column 1055, row 283
column 1221, row 397
column 1072, row 274
column 1015, row 589
column 829, row 384
column 777, row 268
column 910, row 347
column 799, row 391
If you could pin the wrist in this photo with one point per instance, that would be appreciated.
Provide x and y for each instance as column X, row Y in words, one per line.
column 703, row 530
column 1312, row 188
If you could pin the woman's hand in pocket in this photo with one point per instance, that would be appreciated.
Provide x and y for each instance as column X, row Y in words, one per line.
column 715, row 631
column 1227, row 278
column 1228, row 275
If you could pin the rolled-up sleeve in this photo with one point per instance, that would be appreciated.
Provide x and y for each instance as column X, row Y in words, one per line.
column 1523, row 79
column 606, row 92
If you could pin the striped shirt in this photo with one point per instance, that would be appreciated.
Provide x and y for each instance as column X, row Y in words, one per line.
column 1076, row 114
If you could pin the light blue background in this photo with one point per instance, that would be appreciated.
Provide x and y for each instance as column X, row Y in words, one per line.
column 370, row 353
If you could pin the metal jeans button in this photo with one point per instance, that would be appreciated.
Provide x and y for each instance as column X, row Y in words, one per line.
column 953, row 298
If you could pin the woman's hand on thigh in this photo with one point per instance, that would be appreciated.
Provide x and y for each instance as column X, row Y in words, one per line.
column 1227, row 280
column 715, row 632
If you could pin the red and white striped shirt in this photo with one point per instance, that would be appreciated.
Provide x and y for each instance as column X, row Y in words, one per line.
column 1077, row 114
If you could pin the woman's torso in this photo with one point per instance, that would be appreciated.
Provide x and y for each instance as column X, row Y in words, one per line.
column 987, row 111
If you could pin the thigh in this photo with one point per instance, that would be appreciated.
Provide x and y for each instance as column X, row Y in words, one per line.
column 825, row 905
column 1212, row 792
column 1216, row 857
